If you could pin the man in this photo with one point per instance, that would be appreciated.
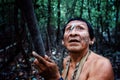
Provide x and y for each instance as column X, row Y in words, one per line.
column 82, row 63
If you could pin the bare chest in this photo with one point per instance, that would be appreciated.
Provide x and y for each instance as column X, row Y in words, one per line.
column 84, row 72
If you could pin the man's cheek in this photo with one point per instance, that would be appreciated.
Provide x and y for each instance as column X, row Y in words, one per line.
column 85, row 39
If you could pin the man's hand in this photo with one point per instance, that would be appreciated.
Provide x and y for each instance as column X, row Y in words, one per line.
column 46, row 67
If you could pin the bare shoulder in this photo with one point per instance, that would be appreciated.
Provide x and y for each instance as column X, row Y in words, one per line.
column 101, row 67
column 100, row 61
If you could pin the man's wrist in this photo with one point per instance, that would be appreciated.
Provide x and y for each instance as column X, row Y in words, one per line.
column 60, row 78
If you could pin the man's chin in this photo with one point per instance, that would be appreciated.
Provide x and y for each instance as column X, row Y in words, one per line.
column 74, row 50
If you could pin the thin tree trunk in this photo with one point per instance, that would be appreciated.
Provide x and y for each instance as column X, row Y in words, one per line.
column 3, row 10
column 81, row 9
column 116, row 22
column 89, row 12
column 49, row 26
column 58, row 23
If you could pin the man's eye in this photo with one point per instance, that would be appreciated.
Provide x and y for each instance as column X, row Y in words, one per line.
column 68, row 29
column 79, row 28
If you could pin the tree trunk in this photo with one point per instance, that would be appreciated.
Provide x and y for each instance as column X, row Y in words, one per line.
column 58, row 23
column 116, row 22
column 28, row 11
column 49, row 26
column 89, row 12
column 81, row 9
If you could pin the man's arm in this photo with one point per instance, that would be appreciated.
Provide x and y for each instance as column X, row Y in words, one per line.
column 102, row 70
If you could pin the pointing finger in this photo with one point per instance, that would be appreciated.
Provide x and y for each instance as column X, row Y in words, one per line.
column 39, row 58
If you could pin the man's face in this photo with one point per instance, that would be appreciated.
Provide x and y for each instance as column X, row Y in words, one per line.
column 76, row 36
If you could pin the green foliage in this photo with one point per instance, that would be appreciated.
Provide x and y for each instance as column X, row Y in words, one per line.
column 67, row 7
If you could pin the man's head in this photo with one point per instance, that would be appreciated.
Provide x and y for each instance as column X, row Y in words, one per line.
column 78, row 34
column 90, row 29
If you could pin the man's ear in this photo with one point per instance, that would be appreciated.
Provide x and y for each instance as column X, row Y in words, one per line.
column 92, row 41
column 62, row 42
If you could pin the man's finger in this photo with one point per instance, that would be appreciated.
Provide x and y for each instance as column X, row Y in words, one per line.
column 37, row 63
column 39, row 58
column 48, row 59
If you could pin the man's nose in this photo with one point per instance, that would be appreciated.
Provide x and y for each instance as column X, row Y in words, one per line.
column 73, row 32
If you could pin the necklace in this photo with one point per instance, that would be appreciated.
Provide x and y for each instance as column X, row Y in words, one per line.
column 78, row 68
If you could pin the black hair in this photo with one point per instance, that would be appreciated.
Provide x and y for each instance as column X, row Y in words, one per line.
column 90, row 29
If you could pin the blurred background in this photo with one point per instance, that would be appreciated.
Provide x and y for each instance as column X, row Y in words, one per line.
column 16, row 43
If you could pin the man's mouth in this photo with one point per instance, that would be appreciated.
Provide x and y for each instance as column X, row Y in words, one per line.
column 74, row 40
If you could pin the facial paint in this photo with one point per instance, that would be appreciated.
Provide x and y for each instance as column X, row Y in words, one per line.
column 72, row 27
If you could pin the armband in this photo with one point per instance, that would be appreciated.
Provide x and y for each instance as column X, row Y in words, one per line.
column 60, row 78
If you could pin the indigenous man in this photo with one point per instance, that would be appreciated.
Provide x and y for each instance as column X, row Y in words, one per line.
column 81, row 63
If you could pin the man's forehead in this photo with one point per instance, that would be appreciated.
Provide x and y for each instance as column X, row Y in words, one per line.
column 76, row 22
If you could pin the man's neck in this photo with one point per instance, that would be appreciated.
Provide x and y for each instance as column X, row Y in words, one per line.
column 77, row 56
